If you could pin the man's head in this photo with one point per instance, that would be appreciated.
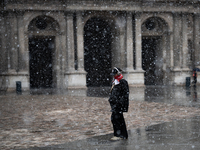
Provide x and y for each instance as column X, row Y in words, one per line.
column 116, row 71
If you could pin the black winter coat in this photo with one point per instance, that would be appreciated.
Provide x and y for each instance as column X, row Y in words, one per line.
column 119, row 97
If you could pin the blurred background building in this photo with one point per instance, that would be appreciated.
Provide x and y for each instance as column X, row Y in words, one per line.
column 60, row 44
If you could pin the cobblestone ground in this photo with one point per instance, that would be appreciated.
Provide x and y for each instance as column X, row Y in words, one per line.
column 40, row 120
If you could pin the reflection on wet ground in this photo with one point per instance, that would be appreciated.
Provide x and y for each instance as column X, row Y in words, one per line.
column 187, row 96
column 30, row 112
column 176, row 135
column 179, row 95
column 98, row 91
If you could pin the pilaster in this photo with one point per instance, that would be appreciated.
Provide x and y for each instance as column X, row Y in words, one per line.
column 80, row 42
column 75, row 78
column 13, row 50
column 135, row 77
column 180, row 68
column 23, row 62
column 196, row 40
column 122, row 38
column 2, row 49
column 138, row 41
column 185, row 55
column 129, row 41
column 177, row 41
column 70, row 43
column 171, row 41
column 8, row 40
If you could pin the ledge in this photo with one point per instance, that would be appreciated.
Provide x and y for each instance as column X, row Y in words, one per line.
column 181, row 69
column 136, row 85
column 75, row 72
column 133, row 71
column 76, row 87
column 13, row 73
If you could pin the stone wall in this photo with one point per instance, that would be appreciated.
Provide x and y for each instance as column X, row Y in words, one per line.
column 177, row 27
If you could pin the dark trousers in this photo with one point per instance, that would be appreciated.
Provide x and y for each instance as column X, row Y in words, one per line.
column 119, row 125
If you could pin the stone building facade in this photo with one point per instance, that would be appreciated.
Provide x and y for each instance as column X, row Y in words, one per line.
column 64, row 44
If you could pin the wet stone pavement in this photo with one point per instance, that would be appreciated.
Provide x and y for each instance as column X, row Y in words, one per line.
column 177, row 135
column 158, row 117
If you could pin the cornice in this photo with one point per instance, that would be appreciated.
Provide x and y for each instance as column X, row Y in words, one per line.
column 191, row 6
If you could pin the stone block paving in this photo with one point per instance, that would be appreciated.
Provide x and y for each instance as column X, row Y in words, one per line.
column 43, row 120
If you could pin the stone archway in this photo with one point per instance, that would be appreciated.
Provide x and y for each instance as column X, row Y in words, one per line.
column 42, row 63
column 97, row 49
column 150, row 56
column 41, row 51
column 154, row 50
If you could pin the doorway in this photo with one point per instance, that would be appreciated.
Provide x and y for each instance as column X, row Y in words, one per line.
column 151, row 61
column 97, row 52
column 41, row 62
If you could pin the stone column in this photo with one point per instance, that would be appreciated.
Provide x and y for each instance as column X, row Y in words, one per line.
column 171, row 41
column 185, row 42
column 63, row 40
column 196, row 40
column 116, row 47
column 164, row 53
column 196, row 61
column 138, row 41
column 80, row 42
column 70, row 43
column 129, row 42
column 13, row 44
column 17, row 57
column 2, row 57
column 123, row 41
column 23, row 53
column 166, row 57
column 3, row 54
column 8, row 40
column 58, row 62
column 134, row 77
column 6, row 79
column 75, row 78
column 177, row 40
column 181, row 70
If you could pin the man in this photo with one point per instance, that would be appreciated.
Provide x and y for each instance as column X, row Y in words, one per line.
column 119, row 102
